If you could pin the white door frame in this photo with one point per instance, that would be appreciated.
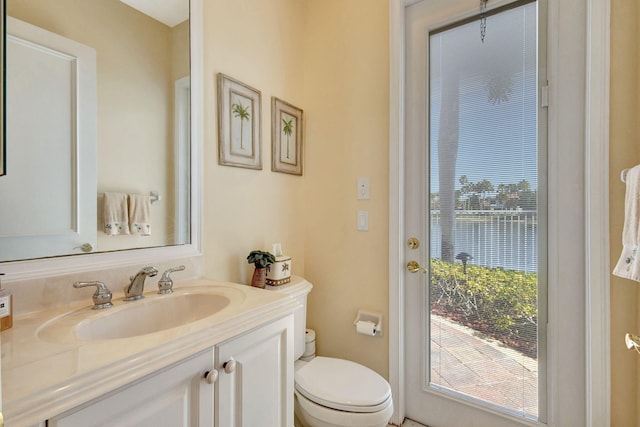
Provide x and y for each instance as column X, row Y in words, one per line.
column 181, row 158
column 596, row 181
column 598, row 374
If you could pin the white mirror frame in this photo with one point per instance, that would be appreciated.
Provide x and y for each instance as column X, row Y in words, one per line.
column 46, row 267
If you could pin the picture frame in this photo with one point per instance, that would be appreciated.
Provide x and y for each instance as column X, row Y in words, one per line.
column 239, row 124
column 287, row 130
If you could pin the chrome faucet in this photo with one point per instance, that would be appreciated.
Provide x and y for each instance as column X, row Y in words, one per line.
column 165, row 284
column 102, row 296
column 135, row 288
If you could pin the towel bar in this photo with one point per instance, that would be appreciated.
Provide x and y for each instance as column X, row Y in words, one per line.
column 154, row 196
column 623, row 175
column 632, row 342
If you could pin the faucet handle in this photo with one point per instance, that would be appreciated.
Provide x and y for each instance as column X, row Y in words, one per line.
column 165, row 284
column 101, row 297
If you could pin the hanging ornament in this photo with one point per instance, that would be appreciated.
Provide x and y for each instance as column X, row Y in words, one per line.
column 483, row 19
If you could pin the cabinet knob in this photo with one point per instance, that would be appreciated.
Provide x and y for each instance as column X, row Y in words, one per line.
column 229, row 366
column 211, row 376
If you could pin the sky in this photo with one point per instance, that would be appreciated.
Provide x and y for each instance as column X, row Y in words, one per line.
column 497, row 140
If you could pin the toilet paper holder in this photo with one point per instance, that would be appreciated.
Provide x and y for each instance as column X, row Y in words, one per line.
column 369, row 317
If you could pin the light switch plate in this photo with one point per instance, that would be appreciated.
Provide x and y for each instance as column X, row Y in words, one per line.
column 363, row 220
column 363, row 188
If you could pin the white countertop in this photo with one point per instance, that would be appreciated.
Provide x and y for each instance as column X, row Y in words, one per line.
column 41, row 378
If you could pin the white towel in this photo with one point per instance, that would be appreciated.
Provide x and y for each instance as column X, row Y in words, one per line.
column 140, row 214
column 116, row 214
column 628, row 265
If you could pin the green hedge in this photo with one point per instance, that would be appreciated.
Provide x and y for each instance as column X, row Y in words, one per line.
column 502, row 300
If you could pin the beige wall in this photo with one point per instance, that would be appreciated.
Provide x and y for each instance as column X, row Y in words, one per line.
column 624, row 153
column 180, row 50
column 346, row 81
column 258, row 43
column 331, row 59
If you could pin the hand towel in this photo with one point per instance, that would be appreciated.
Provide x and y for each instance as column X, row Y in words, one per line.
column 140, row 214
column 116, row 214
column 628, row 265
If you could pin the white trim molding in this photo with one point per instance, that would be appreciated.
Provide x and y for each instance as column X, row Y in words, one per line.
column 396, row 203
column 598, row 365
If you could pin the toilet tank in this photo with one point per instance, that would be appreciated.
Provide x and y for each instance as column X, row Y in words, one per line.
column 298, row 289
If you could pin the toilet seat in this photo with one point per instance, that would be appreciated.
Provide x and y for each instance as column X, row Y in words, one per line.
column 343, row 385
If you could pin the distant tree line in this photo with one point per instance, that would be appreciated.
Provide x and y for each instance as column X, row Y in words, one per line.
column 483, row 195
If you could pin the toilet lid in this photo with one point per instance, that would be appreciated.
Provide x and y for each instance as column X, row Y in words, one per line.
column 343, row 385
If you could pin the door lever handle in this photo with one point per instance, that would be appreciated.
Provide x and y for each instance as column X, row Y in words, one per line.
column 414, row 267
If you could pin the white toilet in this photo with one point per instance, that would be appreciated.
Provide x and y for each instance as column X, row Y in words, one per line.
column 333, row 392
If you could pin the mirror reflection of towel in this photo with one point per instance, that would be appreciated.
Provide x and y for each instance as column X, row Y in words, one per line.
column 628, row 265
column 140, row 214
column 116, row 214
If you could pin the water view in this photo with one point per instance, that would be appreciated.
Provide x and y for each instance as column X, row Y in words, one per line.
column 494, row 238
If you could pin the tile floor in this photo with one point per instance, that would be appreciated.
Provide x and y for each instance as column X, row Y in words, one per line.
column 408, row 423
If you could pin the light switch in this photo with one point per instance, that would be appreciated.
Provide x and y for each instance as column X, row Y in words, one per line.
column 363, row 220
column 363, row 188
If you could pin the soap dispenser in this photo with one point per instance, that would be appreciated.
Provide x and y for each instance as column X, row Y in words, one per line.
column 6, row 308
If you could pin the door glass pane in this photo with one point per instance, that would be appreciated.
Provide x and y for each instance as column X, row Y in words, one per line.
column 484, row 210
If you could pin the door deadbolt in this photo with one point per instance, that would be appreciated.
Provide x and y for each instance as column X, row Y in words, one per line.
column 413, row 243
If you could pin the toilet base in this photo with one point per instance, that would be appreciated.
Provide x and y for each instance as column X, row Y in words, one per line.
column 310, row 414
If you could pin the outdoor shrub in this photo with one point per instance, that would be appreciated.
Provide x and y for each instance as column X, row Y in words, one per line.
column 504, row 301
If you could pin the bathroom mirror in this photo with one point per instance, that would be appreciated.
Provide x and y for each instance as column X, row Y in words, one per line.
column 122, row 125
column 148, row 106
column 2, row 145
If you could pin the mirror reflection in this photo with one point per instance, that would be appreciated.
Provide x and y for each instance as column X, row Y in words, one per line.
column 97, row 101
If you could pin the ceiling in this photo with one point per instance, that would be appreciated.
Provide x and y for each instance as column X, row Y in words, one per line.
column 169, row 12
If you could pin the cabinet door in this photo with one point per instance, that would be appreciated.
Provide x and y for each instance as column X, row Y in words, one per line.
column 177, row 396
column 259, row 389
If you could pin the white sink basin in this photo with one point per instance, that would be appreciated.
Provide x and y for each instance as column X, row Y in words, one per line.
column 127, row 319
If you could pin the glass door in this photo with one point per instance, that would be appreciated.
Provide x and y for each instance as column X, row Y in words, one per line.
column 483, row 209
column 477, row 199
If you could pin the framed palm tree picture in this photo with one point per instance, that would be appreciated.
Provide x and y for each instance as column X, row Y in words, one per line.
column 286, row 137
column 239, row 119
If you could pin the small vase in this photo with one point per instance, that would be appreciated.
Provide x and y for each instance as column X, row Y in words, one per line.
column 259, row 278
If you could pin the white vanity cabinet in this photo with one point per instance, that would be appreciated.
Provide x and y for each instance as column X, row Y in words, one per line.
column 176, row 396
column 158, row 378
column 254, row 387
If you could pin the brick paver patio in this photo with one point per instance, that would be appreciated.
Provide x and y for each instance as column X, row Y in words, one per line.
column 464, row 361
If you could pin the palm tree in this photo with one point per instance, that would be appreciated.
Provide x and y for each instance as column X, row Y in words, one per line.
column 505, row 196
column 465, row 189
column 243, row 114
column 287, row 128
column 447, row 156
column 524, row 186
column 491, row 60
column 483, row 187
